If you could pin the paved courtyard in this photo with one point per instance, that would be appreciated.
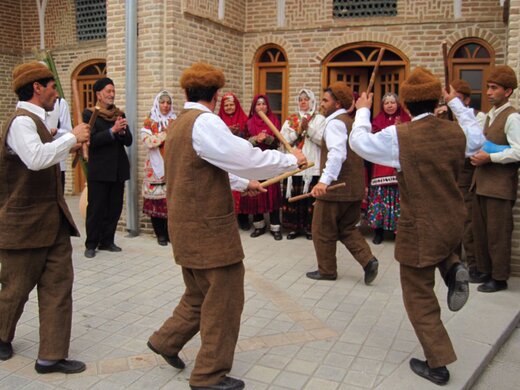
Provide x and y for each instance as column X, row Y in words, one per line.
column 296, row 333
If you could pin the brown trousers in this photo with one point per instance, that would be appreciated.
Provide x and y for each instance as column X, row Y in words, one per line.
column 333, row 221
column 212, row 304
column 492, row 229
column 50, row 269
column 467, row 238
column 424, row 311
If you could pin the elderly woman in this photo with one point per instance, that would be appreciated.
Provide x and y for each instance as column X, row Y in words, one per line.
column 153, row 135
column 303, row 130
column 383, row 198
column 236, row 119
column 259, row 134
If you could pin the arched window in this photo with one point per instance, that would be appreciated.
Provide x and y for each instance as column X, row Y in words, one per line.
column 471, row 59
column 271, row 77
column 354, row 63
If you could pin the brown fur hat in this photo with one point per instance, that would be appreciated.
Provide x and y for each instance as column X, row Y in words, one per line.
column 29, row 73
column 342, row 93
column 421, row 85
column 503, row 75
column 202, row 75
column 461, row 86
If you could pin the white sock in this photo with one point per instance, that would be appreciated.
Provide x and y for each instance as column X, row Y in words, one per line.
column 46, row 362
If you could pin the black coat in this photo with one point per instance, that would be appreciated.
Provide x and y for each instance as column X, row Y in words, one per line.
column 107, row 156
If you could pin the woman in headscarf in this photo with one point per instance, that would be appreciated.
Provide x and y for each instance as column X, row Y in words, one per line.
column 303, row 130
column 383, row 199
column 259, row 134
column 235, row 118
column 153, row 135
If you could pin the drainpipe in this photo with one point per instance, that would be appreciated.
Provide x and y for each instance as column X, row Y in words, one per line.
column 132, row 219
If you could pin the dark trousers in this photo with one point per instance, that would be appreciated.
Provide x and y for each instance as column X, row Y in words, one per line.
column 50, row 269
column 274, row 217
column 105, row 203
column 336, row 221
column 160, row 227
column 467, row 238
column 212, row 304
column 62, row 182
column 424, row 311
column 492, row 230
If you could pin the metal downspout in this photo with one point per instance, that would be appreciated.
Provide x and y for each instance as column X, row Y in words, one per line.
column 132, row 219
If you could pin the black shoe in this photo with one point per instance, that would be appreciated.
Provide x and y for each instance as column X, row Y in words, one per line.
column 258, row 232
column 277, row 235
column 292, row 235
column 458, row 287
column 244, row 225
column 6, row 350
column 371, row 270
column 227, row 383
column 174, row 360
column 308, row 236
column 64, row 366
column 479, row 277
column 378, row 237
column 162, row 241
column 111, row 248
column 492, row 285
column 317, row 276
column 439, row 375
column 90, row 253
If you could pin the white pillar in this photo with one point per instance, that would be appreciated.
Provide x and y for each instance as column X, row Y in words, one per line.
column 280, row 4
column 221, row 9
column 41, row 19
column 457, row 9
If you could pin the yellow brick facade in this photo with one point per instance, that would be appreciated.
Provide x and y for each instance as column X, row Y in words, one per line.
column 172, row 34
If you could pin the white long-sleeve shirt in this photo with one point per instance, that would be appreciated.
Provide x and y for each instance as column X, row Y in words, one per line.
column 383, row 147
column 335, row 137
column 512, row 131
column 24, row 141
column 213, row 142
column 60, row 116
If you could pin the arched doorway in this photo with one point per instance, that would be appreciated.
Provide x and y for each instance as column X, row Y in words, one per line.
column 354, row 64
column 83, row 78
column 271, row 77
column 471, row 59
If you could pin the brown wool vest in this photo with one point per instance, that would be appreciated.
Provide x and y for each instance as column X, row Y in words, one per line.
column 431, row 153
column 351, row 171
column 201, row 217
column 30, row 201
column 493, row 179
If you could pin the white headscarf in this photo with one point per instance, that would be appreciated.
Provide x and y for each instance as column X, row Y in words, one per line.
column 312, row 102
column 155, row 112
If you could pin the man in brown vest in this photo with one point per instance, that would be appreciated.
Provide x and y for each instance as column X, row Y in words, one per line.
column 428, row 153
column 36, row 224
column 496, row 183
column 337, row 213
column 200, row 151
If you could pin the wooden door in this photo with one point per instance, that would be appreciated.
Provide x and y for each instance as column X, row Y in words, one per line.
column 272, row 81
column 356, row 78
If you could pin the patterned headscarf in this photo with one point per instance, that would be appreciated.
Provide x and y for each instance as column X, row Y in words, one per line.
column 312, row 102
column 155, row 112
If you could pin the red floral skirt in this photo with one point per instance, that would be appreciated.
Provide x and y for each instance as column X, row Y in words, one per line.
column 155, row 208
column 263, row 203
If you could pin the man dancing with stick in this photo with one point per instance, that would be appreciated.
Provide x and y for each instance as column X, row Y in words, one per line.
column 200, row 151
column 336, row 213
column 428, row 153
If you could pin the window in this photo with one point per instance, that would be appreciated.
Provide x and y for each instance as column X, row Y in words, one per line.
column 363, row 8
column 271, row 78
column 91, row 19
column 470, row 60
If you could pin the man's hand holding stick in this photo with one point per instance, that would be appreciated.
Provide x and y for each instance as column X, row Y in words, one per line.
column 309, row 194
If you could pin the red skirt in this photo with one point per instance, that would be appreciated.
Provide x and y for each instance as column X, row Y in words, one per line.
column 155, row 208
column 263, row 203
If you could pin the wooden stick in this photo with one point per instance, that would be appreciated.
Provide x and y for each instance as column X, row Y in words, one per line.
column 446, row 66
column 308, row 195
column 84, row 145
column 285, row 175
column 275, row 131
column 376, row 69
column 77, row 114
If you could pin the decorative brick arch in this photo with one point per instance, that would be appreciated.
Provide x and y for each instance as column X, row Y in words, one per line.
column 84, row 58
column 365, row 36
column 252, row 49
column 476, row 32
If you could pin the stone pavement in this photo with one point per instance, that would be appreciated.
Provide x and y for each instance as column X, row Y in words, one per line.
column 296, row 333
